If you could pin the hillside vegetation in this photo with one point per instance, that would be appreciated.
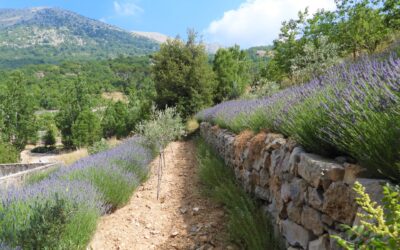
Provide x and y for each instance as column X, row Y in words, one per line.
column 49, row 35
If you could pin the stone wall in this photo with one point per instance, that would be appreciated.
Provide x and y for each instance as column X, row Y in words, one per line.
column 15, row 174
column 7, row 169
column 307, row 196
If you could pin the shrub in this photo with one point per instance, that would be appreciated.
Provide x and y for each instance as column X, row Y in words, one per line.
column 114, row 183
column 115, row 172
column 98, row 146
column 50, row 137
column 380, row 225
column 163, row 127
column 8, row 153
column 46, row 225
column 247, row 224
column 39, row 216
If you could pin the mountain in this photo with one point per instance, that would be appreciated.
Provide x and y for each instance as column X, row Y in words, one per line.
column 50, row 35
column 155, row 36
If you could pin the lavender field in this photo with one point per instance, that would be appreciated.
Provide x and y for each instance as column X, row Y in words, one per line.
column 353, row 110
column 61, row 211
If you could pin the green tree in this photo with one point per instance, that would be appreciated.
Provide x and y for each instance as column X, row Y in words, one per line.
column 75, row 99
column 8, row 153
column 231, row 69
column 391, row 11
column 286, row 48
column 86, row 130
column 316, row 58
column 17, row 119
column 140, row 101
column 50, row 137
column 115, row 120
column 361, row 25
column 182, row 76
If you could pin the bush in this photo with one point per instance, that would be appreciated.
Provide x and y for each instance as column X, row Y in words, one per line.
column 50, row 137
column 163, row 127
column 44, row 150
column 98, row 146
column 114, row 183
column 247, row 225
column 379, row 228
column 8, row 153
column 46, row 225
column 41, row 216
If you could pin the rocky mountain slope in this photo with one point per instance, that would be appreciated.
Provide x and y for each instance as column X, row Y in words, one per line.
column 48, row 35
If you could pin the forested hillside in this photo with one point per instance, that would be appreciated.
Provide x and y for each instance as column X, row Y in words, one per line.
column 51, row 35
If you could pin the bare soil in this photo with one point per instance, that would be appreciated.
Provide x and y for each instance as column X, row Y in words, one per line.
column 181, row 219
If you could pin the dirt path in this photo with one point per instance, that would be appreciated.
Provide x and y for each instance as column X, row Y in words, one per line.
column 181, row 219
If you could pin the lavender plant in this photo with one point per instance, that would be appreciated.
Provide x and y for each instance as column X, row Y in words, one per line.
column 352, row 108
column 71, row 199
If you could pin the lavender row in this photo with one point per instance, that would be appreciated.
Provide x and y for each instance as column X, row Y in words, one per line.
column 81, row 193
column 353, row 109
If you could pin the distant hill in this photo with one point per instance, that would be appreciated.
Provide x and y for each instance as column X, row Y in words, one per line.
column 50, row 35
column 260, row 53
column 158, row 37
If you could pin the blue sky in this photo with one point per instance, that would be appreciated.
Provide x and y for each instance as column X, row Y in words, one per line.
column 227, row 22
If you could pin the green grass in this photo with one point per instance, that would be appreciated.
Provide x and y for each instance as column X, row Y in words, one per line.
column 39, row 176
column 247, row 225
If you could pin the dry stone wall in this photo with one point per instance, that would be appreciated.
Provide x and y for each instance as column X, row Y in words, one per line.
column 307, row 196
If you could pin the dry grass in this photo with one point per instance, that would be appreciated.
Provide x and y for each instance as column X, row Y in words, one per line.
column 69, row 158
column 115, row 96
column 240, row 143
column 241, row 140
column 191, row 126
column 257, row 144
column 113, row 141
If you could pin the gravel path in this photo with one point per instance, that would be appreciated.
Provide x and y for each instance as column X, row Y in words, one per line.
column 181, row 219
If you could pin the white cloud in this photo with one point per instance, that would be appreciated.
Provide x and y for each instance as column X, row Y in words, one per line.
column 257, row 22
column 127, row 8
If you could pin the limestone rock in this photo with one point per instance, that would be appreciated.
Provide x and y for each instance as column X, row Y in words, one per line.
column 295, row 159
column 322, row 243
column 298, row 189
column 294, row 212
column 311, row 219
column 351, row 172
column 285, row 192
column 314, row 168
column 276, row 158
column 295, row 234
column 262, row 193
column 274, row 141
column 326, row 219
column 339, row 203
column 259, row 163
column 264, row 177
column 314, row 198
